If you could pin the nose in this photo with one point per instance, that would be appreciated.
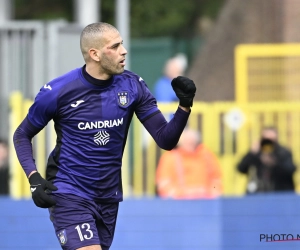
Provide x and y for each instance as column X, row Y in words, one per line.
column 123, row 50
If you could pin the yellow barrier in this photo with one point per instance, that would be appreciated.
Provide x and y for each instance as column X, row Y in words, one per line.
column 15, row 118
column 228, row 129
column 267, row 72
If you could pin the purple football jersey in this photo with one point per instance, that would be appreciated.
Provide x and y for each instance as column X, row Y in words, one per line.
column 91, row 123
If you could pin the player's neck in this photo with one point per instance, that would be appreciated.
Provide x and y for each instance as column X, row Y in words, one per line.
column 93, row 70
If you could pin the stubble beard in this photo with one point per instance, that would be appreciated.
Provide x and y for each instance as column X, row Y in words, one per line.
column 111, row 68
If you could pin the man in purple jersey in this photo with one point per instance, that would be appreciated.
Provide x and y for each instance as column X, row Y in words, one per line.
column 92, row 108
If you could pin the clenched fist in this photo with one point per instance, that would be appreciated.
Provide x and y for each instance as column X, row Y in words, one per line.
column 185, row 90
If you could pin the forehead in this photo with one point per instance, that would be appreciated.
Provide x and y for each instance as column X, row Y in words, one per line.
column 269, row 133
column 111, row 37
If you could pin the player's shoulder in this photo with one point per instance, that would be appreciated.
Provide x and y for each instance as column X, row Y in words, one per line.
column 127, row 74
column 64, row 79
column 51, row 90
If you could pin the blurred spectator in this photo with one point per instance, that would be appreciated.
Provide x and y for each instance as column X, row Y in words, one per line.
column 190, row 171
column 269, row 165
column 174, row 67
column 4, row 169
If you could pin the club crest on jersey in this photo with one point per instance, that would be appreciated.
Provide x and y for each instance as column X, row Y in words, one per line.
column 62, row 236
column 123, row 98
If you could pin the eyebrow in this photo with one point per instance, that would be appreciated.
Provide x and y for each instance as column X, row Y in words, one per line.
column 115, row 44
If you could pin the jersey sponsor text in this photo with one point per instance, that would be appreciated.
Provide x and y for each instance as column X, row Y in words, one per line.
column 100, row 124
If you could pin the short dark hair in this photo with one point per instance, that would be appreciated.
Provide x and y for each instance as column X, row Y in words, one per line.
column 90, row 36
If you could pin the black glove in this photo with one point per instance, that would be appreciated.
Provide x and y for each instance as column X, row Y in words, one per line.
column 185, row 90
column 38, row 186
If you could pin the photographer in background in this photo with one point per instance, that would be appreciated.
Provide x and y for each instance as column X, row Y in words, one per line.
column 269, row 165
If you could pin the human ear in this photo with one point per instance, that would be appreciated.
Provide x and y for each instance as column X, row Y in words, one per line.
column 94, row 54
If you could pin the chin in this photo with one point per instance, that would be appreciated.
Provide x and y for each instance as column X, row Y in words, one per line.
column 119, row 71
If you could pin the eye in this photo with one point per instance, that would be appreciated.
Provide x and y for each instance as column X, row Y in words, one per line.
column 115, row 46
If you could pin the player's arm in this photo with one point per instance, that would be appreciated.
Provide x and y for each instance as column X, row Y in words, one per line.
column 22, row 142
column 40, row 113
column 167, row 134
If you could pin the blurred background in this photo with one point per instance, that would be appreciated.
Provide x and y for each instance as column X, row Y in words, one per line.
column 244, row 57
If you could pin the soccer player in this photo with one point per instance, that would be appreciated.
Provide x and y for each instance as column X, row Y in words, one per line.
column 92, row 108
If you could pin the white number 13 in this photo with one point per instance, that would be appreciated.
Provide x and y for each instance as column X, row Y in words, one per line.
column 86, row 227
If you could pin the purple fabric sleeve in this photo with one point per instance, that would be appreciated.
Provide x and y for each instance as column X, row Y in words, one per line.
column 22, row 143
column 166, row 134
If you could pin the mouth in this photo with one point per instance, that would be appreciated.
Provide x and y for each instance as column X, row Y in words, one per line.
column 122, row 62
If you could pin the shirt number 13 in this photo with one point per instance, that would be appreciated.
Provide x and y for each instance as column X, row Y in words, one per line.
column 85, row 227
